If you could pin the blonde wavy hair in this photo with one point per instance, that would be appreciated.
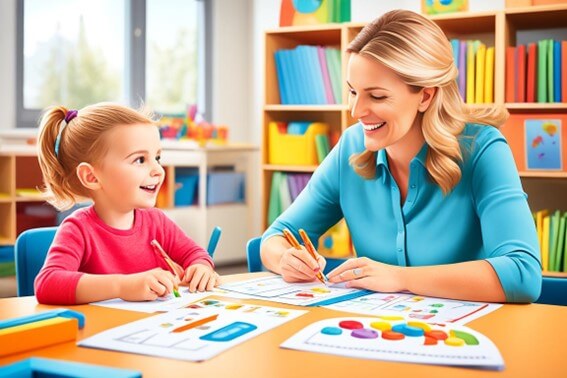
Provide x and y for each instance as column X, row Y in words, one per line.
column 82, row 140
column 419, row 52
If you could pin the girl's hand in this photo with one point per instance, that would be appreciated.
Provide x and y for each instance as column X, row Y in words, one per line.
column 200, row 277
column 147, row 286
column 364, row 273
column 298, row 265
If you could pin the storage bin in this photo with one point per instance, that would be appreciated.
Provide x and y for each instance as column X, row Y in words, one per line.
column 225, row 187
column 294, row 149
column 186, row 180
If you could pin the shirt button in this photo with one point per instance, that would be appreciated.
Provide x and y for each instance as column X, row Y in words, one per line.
column 413, row 186
column 393, row 188
column 399, row 249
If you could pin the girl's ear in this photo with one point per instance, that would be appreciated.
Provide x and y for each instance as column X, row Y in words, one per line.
column 87, row 177
column 427, row 95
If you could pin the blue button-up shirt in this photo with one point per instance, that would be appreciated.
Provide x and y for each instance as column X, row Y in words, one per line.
column 485, row 216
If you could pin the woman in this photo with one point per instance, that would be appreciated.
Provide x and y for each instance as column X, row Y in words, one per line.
column 427, row 185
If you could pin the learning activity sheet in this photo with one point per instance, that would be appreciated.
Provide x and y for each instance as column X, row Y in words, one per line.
column 391, row 338
column 416, row 307
column 161, row 304
column 195, row 333
column 274, row 288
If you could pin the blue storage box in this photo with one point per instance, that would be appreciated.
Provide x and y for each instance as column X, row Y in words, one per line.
column 225, row 187
column 186, row 180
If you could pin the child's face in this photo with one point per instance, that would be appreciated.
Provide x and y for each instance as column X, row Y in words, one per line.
column 130, row 175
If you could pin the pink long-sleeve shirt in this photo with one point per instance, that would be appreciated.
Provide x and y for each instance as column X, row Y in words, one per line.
column 85, row 244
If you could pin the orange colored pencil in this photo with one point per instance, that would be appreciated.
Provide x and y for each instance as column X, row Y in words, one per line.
column 311, row 249
column 195, row 324
column 159, row 250
column 295, row 244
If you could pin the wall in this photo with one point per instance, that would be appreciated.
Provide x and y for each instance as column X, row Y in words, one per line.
column 8, row 64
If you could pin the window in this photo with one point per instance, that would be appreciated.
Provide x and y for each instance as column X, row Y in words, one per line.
column 78, row 52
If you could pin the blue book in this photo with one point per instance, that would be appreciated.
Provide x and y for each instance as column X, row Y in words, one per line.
column 299, row 75
column 281, row 82
column 317, row 75
column 557, row 71
column 307, row 82
column 289, row 76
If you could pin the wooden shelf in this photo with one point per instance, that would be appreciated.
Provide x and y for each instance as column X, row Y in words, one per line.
column 543, row 174
column 536, row 106
column 289, row 168
column 554, row 274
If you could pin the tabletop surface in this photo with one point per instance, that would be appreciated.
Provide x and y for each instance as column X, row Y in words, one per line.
column 531, row 338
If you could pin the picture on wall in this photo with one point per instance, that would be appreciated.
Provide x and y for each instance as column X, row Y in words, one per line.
column 543, row 144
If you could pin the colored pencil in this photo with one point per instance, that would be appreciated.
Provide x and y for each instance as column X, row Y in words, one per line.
column 295, row 244
column 159, row 250
column 195, row 324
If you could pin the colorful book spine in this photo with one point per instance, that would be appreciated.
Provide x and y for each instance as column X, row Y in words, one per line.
column 326, row 76
column 510, row 74
column 550, row 84
column 531, row 77
column 556, row 71
column 489, row 76
column 564, row 76
column 520, row 64
column 462, row 78
column 542, row 71
column 470, row 72
column 479, row 75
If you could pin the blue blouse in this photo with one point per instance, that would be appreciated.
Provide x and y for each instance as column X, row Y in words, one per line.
column 485, row 216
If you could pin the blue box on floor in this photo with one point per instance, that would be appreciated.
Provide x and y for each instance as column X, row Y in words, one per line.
column 225, row 187
column 186, row 181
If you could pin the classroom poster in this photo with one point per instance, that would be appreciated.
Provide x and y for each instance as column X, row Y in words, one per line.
column 543, row 144
column 196, row 333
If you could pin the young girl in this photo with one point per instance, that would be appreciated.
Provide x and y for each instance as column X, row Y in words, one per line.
column 110, row 154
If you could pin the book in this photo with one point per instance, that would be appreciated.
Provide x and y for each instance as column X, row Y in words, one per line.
column 510, row 74
column 326, row 76
column 542, row 71
column 470, row 72
column 462, row 78
column 559, row 252
column 564, row 73
column 479, row 74
column 531, row 70
column 489, row 76
column 322, row 146
column 556, row 71
column 545, row 243
column 520, row 65
column 550, row 84
column 553, row 238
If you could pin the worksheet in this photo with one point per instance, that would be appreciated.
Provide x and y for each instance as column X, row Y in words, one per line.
column 275, row 289
column 392, row 339
column 417, row 307
column 195, row 333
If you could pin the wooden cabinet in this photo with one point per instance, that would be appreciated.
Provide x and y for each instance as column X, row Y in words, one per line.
column 494, row 28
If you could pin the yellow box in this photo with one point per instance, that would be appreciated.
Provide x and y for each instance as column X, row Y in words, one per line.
column 294, row 149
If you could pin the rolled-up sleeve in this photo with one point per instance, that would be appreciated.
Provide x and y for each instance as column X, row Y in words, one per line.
column 508, row 230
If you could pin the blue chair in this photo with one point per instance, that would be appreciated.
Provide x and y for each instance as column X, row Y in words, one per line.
column 255, row 263
column 553, row 291
column 30, row 252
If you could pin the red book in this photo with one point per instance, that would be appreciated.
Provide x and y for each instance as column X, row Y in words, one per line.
column 510, row 87
column 531, row 76
column 563, row 71
column 521, row 73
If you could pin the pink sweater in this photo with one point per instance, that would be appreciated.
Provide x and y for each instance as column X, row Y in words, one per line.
column 85, row 244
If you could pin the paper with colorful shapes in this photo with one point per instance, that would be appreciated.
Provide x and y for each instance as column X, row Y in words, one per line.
column 275, row 289
column 196, row 333
column 391, row 338
column 416, row 307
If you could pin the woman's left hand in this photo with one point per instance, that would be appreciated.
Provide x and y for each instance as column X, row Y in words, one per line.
column 200, row 277
column 364, row 273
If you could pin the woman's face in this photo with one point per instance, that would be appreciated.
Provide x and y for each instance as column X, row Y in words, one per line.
column 383, row 103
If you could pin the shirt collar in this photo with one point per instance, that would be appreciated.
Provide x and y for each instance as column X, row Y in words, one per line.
column 382, row 160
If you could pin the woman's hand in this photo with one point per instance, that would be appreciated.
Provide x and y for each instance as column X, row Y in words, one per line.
column 298, row 265
column 364, row 273
column 146, row 286
column 200, row 277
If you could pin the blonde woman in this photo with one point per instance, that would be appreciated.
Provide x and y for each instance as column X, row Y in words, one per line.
column 111, row 154
column 427, row 186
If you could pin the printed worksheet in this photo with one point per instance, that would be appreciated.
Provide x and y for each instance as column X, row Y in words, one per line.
column 274, row 288
column 390, row 338
column 415, row 307
column 195, row 333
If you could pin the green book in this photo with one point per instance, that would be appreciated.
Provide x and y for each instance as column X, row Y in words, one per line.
column 550, row 95
column 553, row 236
column 559, row 254
column 274, row 205
column 542, row 71
column 322, row 146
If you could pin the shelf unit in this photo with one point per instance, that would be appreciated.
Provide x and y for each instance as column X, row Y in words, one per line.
column 494, row 28
column 19, row 169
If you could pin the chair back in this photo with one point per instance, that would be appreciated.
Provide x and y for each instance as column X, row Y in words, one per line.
column 255, row 263
column 553, row 291
column 30, row 252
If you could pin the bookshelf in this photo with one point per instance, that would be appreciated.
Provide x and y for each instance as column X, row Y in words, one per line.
column 493, row 28
column 20, row 175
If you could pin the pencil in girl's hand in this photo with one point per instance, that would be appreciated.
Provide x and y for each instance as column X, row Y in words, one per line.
column 159, row 250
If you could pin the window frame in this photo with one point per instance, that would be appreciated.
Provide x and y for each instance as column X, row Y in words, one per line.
column 135, row 80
